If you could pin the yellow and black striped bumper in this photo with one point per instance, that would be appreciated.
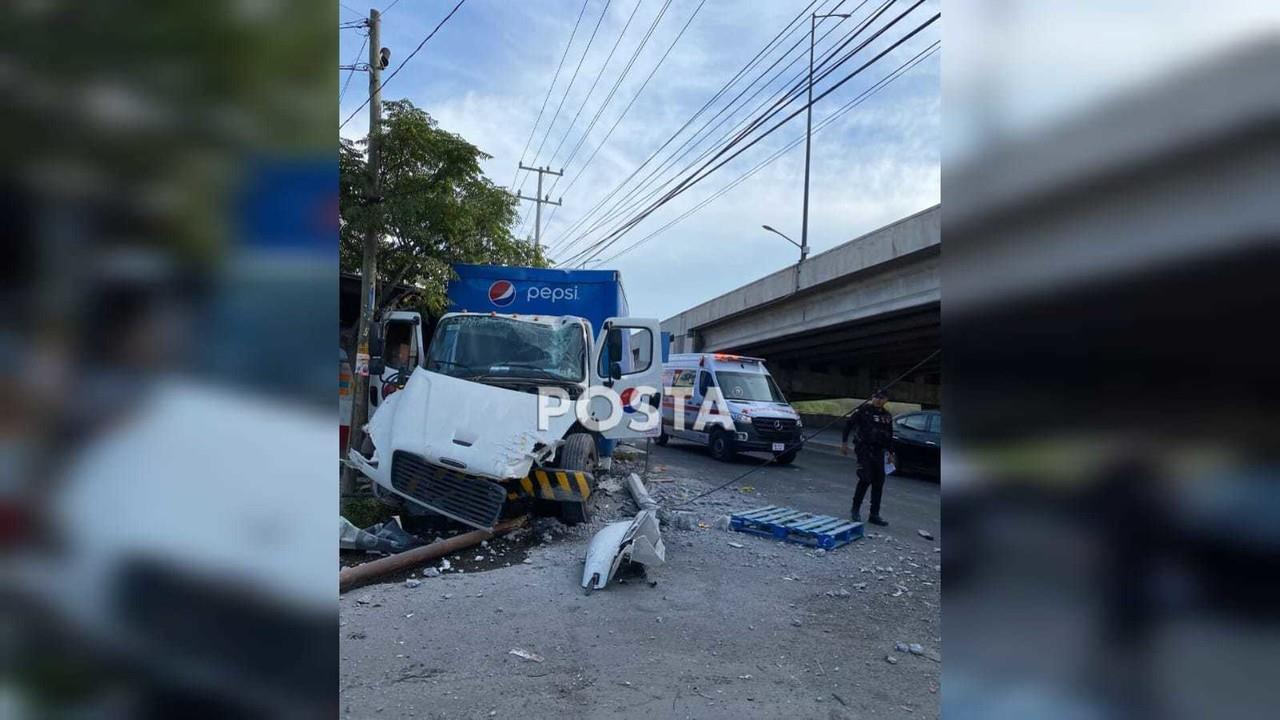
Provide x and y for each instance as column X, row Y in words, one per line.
column 558, row 485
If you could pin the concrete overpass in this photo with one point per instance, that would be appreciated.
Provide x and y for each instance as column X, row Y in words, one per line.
column 841, row 324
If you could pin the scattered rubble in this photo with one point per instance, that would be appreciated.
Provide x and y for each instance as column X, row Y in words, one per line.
column 925, row 534
column 412, row 583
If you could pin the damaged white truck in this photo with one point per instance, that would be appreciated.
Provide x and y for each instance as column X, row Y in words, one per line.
column 507, row 413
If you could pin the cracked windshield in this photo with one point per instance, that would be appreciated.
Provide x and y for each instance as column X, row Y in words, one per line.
column 474, row 347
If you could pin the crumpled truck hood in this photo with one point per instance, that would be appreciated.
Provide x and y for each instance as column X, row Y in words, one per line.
column 490, row 430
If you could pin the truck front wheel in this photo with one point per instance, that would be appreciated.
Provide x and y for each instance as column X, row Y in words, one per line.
column 577, row 453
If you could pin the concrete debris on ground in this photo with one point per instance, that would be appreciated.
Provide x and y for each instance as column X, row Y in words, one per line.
column 925, row 534
column 769, row 619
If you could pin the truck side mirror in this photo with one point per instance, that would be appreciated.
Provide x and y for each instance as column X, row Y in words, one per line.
column 376, row 366
column 615, row 370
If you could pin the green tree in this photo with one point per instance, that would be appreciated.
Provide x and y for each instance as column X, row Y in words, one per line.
column 437, row 207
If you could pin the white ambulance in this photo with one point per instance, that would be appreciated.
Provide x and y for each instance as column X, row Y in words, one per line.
column 753, row 415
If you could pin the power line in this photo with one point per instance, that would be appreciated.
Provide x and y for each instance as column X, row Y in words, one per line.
column 534, row 130
column 625, row 110
column 712, row 165
column 703, row 172
column 648, row 187
column 639, row 196
column 393, row 4
column 587, row 98
column 404, row 63
column 786, row 30
column 346, row 84
column 862, row 97
column 348, row 8
column 568, row 88
column 641, row 192
column 604, row 66
column 612, row 91
column 786, row 99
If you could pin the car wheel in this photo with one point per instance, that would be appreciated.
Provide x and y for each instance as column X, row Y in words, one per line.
column 721, row 446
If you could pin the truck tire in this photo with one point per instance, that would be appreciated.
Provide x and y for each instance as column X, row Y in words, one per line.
column 785, row 458
column 721, row 446
column 577, row 453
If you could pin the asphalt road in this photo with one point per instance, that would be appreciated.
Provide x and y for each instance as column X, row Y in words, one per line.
column 819, row 481
column 734, row 626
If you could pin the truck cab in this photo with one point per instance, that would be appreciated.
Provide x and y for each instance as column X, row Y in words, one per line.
column 506, row 411
column 740, row 407
column 399, row 344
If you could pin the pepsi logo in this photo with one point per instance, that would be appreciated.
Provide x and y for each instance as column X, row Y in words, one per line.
column 627, row 398
column 502, row 293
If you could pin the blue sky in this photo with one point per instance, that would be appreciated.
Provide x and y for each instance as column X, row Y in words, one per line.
column 486, row 73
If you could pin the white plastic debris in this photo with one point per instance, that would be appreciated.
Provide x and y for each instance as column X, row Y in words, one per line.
column 521, row 653
column 637, row 540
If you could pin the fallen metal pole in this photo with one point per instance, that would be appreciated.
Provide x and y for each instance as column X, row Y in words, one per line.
column 360, row 574
column 640, row 494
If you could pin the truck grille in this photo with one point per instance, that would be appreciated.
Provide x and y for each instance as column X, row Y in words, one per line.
column 468, row 499
column 774, row 428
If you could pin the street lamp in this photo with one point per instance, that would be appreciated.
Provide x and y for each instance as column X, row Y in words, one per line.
column 808, row 134
column 784, row 237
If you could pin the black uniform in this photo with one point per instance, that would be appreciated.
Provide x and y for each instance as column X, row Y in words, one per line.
column 872, row 429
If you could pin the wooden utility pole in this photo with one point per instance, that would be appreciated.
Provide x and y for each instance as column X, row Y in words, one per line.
column 369, row 265
column 540, row 200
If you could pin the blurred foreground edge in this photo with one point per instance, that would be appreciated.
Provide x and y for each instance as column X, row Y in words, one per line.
column 1111, row 511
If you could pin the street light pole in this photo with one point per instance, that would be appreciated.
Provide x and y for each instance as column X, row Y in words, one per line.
column 808, row 133
column 779, row 233
column 808, row 142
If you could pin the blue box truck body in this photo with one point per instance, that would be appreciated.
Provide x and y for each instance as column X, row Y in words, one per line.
column 593, row 294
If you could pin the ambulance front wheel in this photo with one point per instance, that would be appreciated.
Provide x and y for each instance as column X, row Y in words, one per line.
column 721, row 446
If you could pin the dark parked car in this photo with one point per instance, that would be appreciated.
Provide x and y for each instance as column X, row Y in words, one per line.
column 917, row 441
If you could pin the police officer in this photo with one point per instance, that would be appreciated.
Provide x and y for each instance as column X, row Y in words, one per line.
column 872, row 428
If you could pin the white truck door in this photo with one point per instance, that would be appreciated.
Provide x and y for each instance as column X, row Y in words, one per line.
column 401, row 349
column 627, row 359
